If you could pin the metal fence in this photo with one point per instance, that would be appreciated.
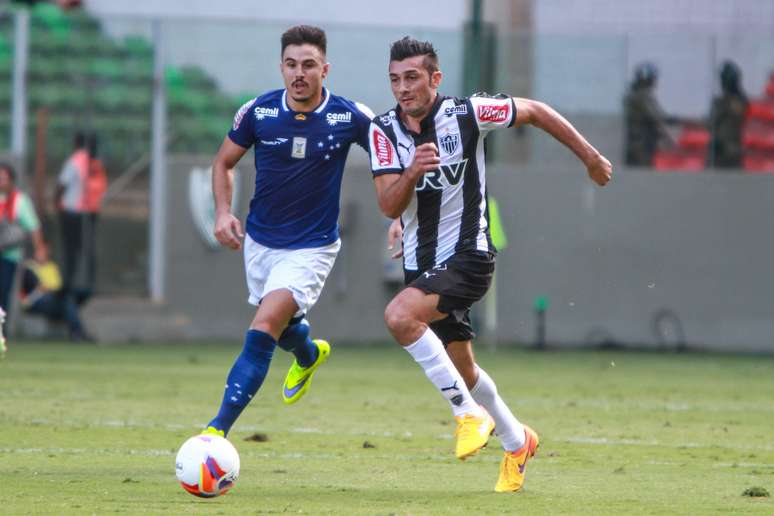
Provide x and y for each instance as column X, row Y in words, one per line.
column 152, row 88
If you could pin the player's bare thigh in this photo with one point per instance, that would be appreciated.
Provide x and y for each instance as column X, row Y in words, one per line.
column 409, row 313
column 275, row 311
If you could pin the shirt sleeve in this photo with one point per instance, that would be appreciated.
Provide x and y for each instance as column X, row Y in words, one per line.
column 384, row 158
column 25, row 213
column 68, row 174
column 242, row 131
column 363, row 117
column 493, row 112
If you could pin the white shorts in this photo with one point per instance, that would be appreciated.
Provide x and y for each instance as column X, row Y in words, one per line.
column 301, row 271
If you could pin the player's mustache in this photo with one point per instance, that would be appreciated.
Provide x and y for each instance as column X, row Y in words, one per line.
column 299, row 83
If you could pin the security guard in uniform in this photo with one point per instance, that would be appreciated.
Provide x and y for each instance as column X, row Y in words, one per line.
column 727, row 118
column 645, row 120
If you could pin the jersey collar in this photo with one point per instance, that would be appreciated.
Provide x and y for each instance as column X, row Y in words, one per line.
column 318, row 109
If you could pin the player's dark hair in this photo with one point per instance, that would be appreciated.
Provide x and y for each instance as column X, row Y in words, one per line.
column 410, row 47
column 92, row 142
column 79, row 140
column 301, row 34
column 4, row 165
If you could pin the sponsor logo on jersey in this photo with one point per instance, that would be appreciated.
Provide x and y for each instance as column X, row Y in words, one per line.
column 262, row 112
column 275, row 141
column 445, row 175
column 383, row 149
column 335, row 118
column 241, row 113
column 299, row 147
column 388, row 118
column 462, row 109
column 494, row 113
column 449, row 142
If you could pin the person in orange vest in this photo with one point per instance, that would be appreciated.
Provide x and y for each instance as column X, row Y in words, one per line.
column 18, row 221
column 80, row 188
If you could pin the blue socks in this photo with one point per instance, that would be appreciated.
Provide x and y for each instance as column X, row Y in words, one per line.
column 296, row 339
column 245, row 378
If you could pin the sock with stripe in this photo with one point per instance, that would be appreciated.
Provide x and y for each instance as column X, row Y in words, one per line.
column 430, row 354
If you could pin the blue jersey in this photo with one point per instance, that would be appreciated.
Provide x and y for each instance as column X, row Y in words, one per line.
column 299, row 162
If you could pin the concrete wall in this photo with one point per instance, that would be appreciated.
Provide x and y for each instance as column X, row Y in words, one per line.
column 608, row 259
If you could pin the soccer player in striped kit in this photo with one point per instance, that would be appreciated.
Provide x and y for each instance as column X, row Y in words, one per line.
column 427, row 158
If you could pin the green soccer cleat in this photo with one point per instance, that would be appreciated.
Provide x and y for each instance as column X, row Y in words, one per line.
column 211, row 430
column 299, row 378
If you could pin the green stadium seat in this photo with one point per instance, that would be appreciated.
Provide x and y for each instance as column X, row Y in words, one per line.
column 106, row 69
column 51, row 17
column 138, row 47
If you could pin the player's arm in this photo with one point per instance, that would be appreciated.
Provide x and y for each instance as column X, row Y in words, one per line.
column 394, row 191
column 546, row 118
column 394, row 236
column 228, row 229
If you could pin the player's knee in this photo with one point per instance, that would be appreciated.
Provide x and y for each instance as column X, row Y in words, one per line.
column 268, row 326
column 398, row 316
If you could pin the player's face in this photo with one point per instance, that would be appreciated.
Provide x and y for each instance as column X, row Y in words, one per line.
column 413, row 85
column 303, row 69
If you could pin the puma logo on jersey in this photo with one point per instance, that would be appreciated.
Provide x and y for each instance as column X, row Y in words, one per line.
column 446, row 175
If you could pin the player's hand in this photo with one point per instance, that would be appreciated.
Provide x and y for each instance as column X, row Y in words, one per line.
column 228, row 231
column 600, row 170
column 426, row 158
column 395, row 234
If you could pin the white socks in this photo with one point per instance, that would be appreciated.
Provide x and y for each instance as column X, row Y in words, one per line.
column 429, row 353
column 508, row 428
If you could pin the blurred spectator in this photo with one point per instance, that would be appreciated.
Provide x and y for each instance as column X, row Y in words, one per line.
column 81, row 186
column 727, row 117
column 42, row 294
column 18, row 221
column 644, row 118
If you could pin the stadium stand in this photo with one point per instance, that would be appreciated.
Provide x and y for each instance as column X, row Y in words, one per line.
column 90, row 81
column 689, row 155
column 758, row 134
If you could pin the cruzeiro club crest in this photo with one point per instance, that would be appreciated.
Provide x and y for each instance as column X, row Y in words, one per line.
column 449, row 142
column 202, row 204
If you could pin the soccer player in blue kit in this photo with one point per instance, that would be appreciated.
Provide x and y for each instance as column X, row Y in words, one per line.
column 301, row 136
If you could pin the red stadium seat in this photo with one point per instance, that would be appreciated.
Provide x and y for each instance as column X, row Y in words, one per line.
column 770, row 89
column 758, row 135
column 670, row 160
column 761, row 109
column 694, row 138
column 758, row 162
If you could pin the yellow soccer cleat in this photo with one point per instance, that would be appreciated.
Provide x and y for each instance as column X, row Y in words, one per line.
column 473, row 433
column 211, row 430
column 299, row 379
column 514, row 463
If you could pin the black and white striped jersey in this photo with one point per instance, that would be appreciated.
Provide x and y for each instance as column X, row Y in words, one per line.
column 448, row 214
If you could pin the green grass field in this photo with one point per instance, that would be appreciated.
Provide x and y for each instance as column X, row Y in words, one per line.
column 88, row 429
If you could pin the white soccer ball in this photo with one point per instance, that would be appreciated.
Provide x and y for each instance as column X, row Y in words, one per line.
column 207, row 465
